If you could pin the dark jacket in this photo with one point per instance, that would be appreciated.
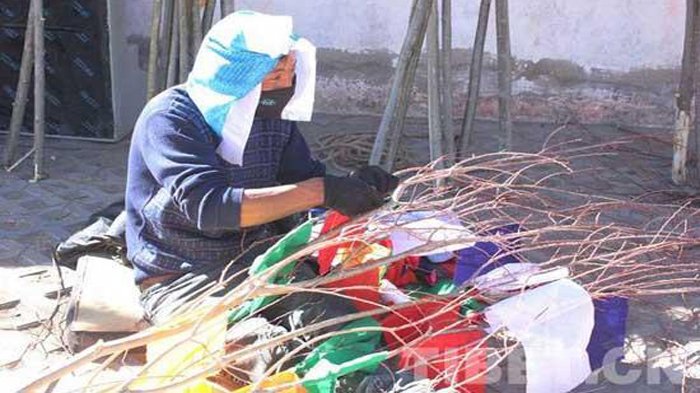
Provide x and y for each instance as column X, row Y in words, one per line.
column 183, row 201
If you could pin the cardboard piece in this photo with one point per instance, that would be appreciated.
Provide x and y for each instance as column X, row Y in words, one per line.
column 105, row 298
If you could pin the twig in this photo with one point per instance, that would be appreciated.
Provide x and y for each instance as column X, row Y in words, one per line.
column 557, row 228
column 21, row 160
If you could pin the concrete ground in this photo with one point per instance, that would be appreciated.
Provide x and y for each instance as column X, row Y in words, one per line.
column 87, row 177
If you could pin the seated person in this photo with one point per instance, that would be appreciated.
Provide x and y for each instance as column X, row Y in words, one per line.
column 215, row 161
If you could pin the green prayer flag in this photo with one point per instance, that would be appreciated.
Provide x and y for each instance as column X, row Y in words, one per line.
column 285, row 247
column 341, row 355
column 442, row 287
column 323, row 377
column 288, row 245
column 472, row 305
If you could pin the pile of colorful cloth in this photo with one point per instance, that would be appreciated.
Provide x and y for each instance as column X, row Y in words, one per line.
column 419, row 326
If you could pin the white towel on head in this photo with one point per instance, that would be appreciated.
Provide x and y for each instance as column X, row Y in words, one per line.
column 235, row 56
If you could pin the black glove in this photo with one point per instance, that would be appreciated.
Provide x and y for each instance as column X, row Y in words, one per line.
column 375, row 176
column 350, row 195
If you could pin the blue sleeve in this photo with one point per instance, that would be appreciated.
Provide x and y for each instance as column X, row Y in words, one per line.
column 297, row 163
column 185, row 163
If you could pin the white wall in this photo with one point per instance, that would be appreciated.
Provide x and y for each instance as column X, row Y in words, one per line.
column 617, row 34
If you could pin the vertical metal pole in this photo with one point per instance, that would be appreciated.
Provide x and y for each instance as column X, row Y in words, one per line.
column 446, row 67
column 152, row 77
column 434, row 112
column 477, row 62
column 397, row 104
column 20, row 103
column 39, row 91
column 505, row 68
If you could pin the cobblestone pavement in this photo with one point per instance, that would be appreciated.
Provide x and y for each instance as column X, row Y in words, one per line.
column 87, row 177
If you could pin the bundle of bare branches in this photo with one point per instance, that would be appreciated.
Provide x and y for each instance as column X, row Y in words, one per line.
column 559, row 227
column 352, row 150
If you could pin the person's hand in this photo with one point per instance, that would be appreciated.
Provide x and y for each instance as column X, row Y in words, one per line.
column 350, row 195
column 375, row 176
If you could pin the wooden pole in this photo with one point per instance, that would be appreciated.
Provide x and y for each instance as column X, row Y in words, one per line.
column 208, row 17
column 685, row 96
column 20, row 103
column 397, row 133
column 168, row 38
column 227, row 7
column 39, row 91
column 446, row 81
column 693, row 153
column 397, row 104
column 152, row 76
column 477, row 62
column 174, row 50
column 184, row 22
column 434, row 107
column 505, row 68
column 196, row 27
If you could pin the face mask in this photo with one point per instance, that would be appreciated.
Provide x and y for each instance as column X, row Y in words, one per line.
column 272, row 103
